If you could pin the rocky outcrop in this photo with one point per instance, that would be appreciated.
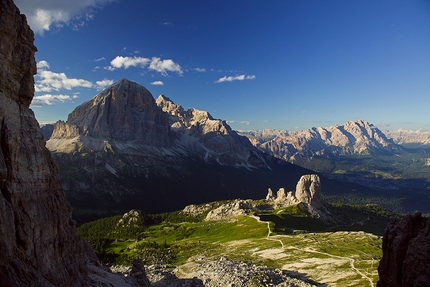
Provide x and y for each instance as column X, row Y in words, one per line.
column 354, row 137
column 39, row 245
column 229, row 210
column 406, row 253
column 308, row 191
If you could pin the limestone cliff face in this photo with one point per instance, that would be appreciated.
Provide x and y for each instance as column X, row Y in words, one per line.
column 125, row 111
column 406, row 253
column 39, row 245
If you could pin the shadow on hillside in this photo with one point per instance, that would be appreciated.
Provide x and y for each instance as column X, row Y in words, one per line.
column 303, row 277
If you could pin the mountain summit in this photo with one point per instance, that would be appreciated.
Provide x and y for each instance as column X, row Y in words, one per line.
column 125, row 116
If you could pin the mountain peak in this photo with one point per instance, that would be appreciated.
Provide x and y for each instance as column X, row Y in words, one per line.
column 125, row 111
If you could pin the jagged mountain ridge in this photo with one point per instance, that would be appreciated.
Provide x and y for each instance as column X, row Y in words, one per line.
column 353, row 137
column 126, row 117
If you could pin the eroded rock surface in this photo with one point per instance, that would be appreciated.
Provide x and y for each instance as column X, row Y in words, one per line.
column 308, row 191
column 406, row 253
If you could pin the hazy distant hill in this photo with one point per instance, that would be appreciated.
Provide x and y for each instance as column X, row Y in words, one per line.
column 410, row 139
column 355, row 137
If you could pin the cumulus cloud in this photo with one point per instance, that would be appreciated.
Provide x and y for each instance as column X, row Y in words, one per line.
column 43, row 14
column 157, row 83
column 154, row 64
column 49, row 99
column 162, row 66
column 42, row 65
column 127, row 62
column 47, row 81
column 235, row 78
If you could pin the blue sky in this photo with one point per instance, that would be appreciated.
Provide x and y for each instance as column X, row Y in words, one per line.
column 256, row 64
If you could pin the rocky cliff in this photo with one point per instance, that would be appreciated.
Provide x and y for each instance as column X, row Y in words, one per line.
column 39, row 245
column 406, row 253
column 38, row 241
column 355, row 137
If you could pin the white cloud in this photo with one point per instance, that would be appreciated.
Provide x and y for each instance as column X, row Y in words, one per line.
column 100, row 59
column 127, row 62
column 101, row 85
column 238, row 122
column 42, row 64
column 154, row 64
column 200, row 70
column 235, row 78
column 157, row 83
column 43, row 14
column 48, row 81
column 49, row 99
column 162, row 66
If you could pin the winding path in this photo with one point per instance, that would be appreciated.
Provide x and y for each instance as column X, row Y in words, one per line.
column 351, row 260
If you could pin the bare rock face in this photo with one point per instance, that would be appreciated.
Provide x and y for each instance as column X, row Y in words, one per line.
column 39, row 245
column 125, row 111
column 308, row 191
column 406, row 253
column 17, row 55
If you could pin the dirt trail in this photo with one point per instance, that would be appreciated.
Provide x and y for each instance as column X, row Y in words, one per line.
column 351, row 260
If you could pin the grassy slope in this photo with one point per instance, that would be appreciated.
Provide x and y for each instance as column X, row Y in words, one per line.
column 322, row 256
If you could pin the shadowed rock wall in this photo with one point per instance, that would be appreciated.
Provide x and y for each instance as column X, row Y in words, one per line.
column 39, row 245
column 406, row 253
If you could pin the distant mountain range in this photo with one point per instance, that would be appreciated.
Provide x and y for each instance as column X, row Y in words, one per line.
column 355, row 137
column 123, row 149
